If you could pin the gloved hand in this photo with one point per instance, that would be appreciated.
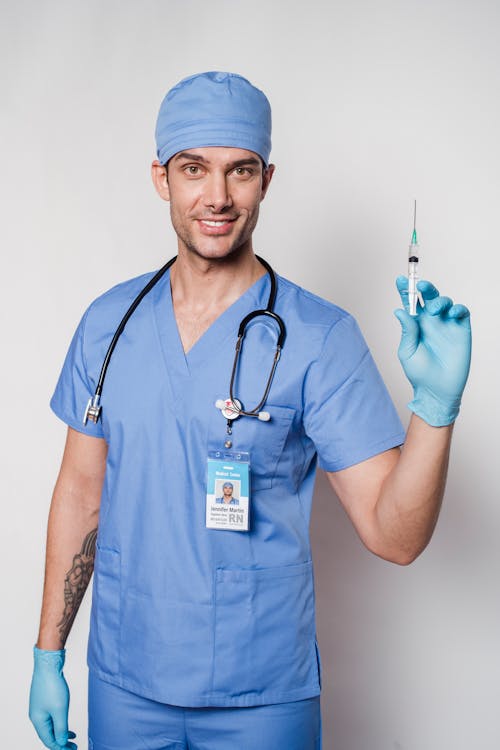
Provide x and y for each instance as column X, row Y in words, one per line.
column 49, row 700
column 435, row 353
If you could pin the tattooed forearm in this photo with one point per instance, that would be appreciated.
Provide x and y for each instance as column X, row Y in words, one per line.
column 76, row 582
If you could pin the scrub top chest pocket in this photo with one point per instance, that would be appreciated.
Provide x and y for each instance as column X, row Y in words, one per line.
column 264, row 441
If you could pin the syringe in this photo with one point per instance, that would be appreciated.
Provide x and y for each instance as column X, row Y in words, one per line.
column 413, row 293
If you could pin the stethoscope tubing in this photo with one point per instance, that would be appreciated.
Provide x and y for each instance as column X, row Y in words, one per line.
column 135, row 304
column 94, row 408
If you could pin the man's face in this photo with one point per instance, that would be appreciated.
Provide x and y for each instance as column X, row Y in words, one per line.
column 214, row 194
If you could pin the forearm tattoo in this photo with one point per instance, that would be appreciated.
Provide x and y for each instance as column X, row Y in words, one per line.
column 75, row 584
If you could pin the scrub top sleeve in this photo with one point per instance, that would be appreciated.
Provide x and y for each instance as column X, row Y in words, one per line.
column 348, row 413
column 74, row 388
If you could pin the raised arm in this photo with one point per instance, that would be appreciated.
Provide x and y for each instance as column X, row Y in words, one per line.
column 71, row 537
column 394, row 498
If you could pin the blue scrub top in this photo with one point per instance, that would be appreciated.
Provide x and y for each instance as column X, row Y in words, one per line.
column 193, row 616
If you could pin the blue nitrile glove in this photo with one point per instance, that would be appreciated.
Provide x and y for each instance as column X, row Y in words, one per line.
column 434, row 352
column 49, row 700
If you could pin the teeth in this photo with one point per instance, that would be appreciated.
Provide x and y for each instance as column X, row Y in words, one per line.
column 214, row 223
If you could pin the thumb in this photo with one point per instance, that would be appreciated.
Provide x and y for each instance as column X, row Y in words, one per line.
column 60, row 719
column 410, row 334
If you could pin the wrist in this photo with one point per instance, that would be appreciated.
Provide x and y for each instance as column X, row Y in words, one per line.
column 436, row 411
column 49, row 639
column 50, row 658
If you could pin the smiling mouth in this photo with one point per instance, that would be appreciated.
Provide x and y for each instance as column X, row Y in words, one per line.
column 216, row 227
column 212, row 223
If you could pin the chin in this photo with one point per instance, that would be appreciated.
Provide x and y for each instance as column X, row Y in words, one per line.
column 214, row 252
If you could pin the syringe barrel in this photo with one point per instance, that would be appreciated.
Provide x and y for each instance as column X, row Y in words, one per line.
column 413, row 253
column 412, row 286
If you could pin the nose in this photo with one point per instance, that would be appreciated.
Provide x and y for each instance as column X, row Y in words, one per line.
column 217, row 194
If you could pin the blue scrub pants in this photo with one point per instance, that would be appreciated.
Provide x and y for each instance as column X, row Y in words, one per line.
column 119, row 720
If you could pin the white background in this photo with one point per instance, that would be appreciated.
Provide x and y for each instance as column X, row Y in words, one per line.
column 374, row 103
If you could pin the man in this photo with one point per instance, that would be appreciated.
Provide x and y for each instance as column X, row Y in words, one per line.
column 227, row 495
column 169, row 593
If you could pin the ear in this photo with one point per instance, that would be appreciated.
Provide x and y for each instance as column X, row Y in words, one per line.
column 159, row 177
column 267, row 176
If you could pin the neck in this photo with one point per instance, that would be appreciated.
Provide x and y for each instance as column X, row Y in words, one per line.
column 201, row 283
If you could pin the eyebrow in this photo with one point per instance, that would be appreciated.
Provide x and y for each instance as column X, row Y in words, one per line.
column 197, row 157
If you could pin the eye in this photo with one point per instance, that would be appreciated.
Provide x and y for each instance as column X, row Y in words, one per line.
column 243, row 171
column 192, row 170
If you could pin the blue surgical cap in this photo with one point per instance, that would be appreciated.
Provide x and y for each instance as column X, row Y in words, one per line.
column 214, row 109
column 227, row 484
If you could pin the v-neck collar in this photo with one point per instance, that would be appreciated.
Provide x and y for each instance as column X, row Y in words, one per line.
column 177, row 362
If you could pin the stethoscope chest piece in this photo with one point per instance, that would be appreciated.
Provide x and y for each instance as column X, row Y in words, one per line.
column 230, row 408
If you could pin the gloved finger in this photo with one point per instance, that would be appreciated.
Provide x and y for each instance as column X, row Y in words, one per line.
column 60, row 719
column 410, row 334
column 45, row 731
column 459, row 312
column 439, row 305
column 402, row 283
column 68, row 746
column 427, row 289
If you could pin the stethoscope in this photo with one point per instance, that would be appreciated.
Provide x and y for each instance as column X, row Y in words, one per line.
column 231, row 407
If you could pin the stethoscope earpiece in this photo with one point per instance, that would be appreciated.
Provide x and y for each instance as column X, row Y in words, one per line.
column 93, row 410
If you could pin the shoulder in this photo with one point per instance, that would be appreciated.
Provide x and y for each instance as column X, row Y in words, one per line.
column 119, row 296
column 313, row 309
column 312, row 316
column 104, row 313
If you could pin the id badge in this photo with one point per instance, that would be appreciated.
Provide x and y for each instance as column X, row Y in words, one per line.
column 228, row 490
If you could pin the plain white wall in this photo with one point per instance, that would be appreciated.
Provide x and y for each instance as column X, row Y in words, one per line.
column 374, row 103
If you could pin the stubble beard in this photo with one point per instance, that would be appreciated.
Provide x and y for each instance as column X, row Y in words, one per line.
column 238, row 243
